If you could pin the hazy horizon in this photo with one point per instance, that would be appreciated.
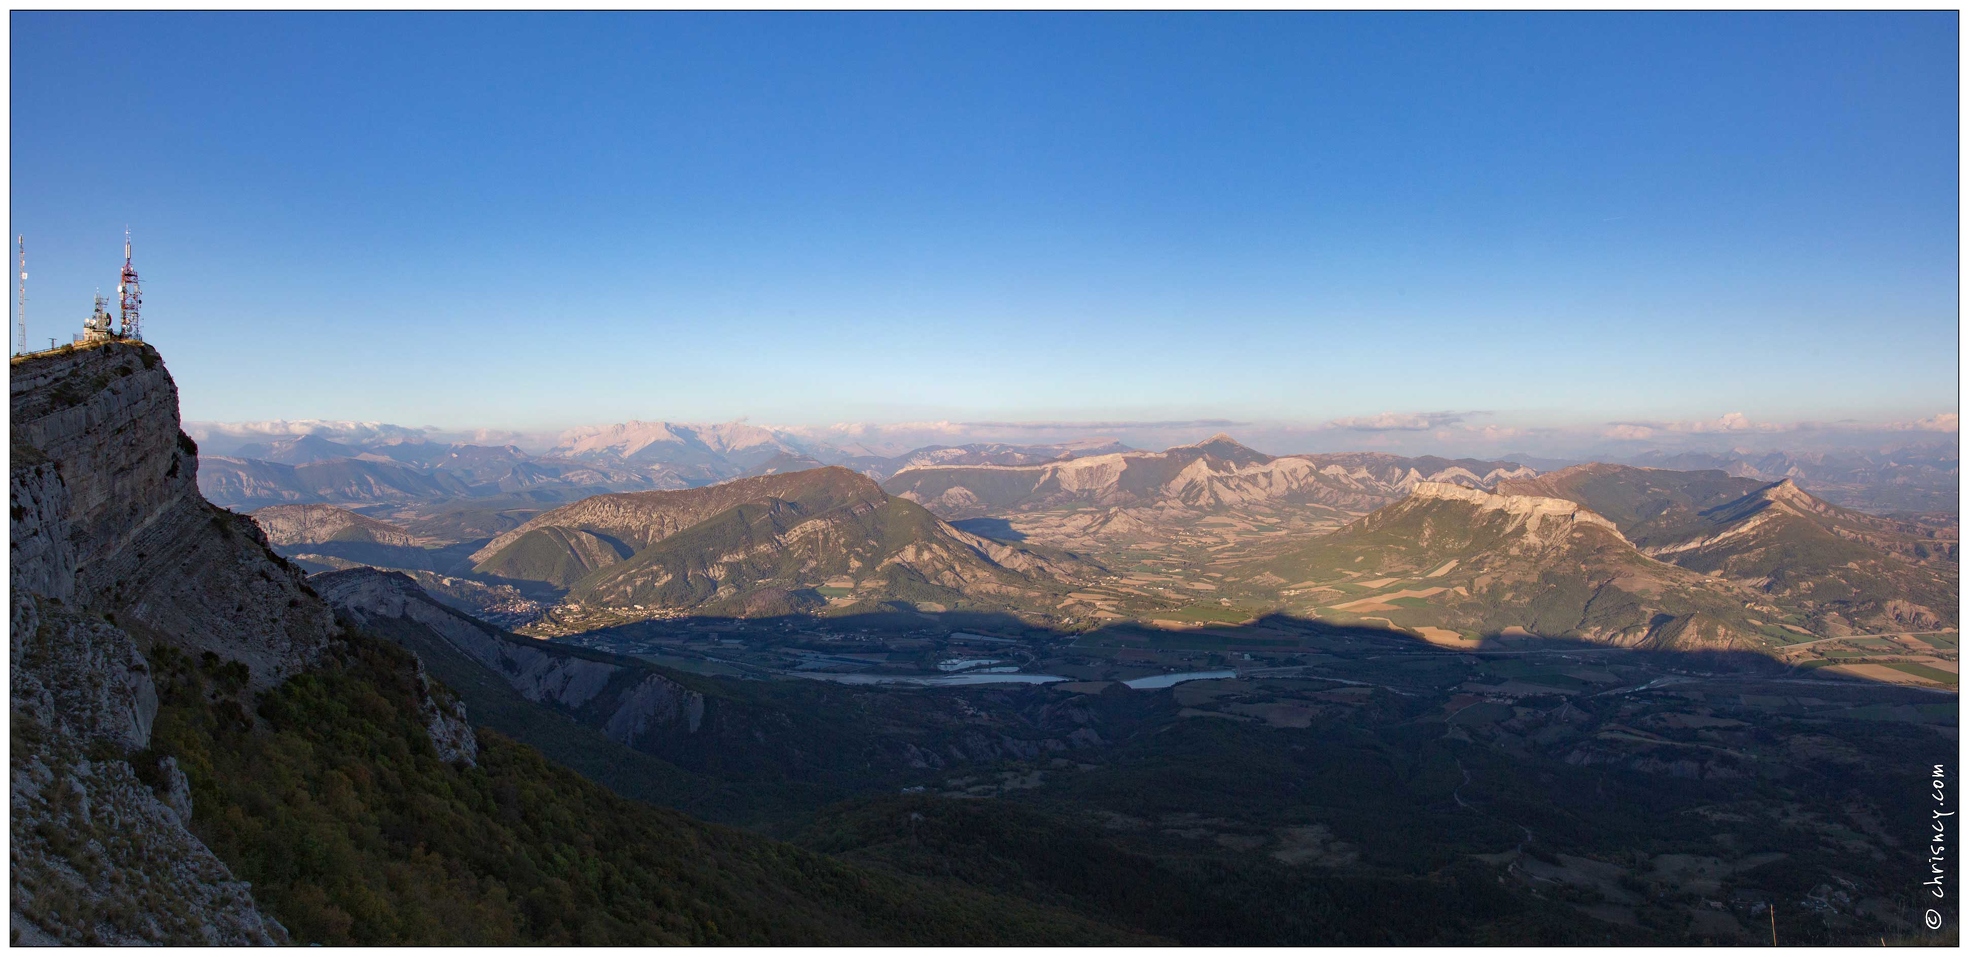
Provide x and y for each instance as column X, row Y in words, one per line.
column 1453, row 435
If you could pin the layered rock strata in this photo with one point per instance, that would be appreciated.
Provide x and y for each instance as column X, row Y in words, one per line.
column 113, row 553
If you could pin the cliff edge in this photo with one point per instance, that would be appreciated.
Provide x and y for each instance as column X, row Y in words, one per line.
column 114, row 553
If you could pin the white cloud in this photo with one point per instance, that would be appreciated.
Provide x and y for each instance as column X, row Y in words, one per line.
column 1397, row 421
column 1728, row 422
column 1497, row 433
column 1940, row 422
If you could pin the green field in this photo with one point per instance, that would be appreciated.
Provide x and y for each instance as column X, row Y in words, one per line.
column 1922, row 671
column 1210, row 611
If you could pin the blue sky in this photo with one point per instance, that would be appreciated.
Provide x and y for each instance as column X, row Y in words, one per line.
column 531, row 221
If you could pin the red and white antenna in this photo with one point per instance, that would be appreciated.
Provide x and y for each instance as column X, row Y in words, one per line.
column 131, row 293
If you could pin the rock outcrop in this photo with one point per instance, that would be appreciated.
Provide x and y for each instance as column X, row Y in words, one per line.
column 1538, row 515
column 314, row 524
column 367, row 595
column 145, row 545
column 541, row 673
column 445, row 721
column 1839, row 570
column 1211, row 475
column 114, row 552
column 1459, row 566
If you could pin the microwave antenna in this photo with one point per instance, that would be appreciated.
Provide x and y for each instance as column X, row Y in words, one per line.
column 131, row 293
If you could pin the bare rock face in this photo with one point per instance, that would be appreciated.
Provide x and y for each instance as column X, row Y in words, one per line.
column 144, row 544
column 366, row 594
column 177, row 790
column 42, row 558
column 315, row 524
column 1532, row 512
column 112, row 552
column 655, row 701
column 445, row 721
column 1212, row 475
column 98, row 856
column 84, row 677
column 654, row 704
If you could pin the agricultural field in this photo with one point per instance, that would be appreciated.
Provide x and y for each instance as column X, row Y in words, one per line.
column 1923, row 660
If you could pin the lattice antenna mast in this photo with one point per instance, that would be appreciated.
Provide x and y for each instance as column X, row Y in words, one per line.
column 132, row 295
column 20, row 310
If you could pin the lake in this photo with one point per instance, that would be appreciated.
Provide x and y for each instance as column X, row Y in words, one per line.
column 1164, row 681
column 939, row 680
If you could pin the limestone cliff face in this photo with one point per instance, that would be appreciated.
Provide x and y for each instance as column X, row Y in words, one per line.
column 41, row 557
column 114, row 552
column 542, row 673
column 366, row 594
column 1534, row 513
column 145, row 546
column 1215, row 474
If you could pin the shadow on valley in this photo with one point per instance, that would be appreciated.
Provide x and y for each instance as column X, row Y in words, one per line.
column 1272, row 640
column 1310, row 783
column 1345, row 780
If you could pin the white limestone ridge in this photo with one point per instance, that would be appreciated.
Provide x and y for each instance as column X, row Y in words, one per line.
column 1774, row 501
column 1534, row 511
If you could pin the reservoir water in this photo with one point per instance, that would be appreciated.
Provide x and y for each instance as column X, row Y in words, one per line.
column 939, row 681
column 1164, row 681
column 975, row 678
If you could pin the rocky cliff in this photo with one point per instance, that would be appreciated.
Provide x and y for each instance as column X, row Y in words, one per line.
column 1537, row 515
column 113, row 553
column 1215, row 474
column 541, row 673
column 315, row 524
column 1839, row 570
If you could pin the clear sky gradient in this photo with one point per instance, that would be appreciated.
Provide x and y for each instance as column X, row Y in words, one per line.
column 530, row 221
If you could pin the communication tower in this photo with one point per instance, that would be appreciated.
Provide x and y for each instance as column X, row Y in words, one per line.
column 132, row 295
column 96, row 328
column 20, row 311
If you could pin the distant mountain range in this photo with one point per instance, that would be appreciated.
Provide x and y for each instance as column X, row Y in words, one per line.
column 1451, row 549
column 1217, row 472
column 1910, row 478
column 400, row 466
column 393, row 469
